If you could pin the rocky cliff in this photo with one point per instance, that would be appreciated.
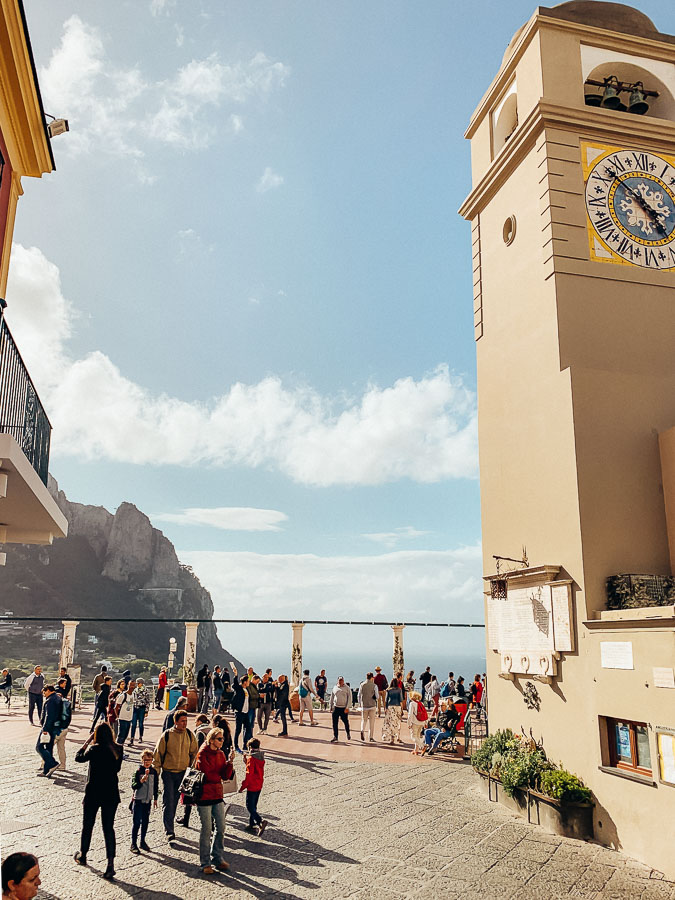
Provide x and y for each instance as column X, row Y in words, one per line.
column 111, row 566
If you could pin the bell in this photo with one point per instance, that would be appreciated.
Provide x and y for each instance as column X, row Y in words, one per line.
column 610, row 97
column 637, row 103
column 592, row 99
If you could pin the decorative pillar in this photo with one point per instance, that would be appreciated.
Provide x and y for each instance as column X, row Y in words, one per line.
column 296, row 654
column 68, row 643
column 397, row 656
column 190, row 653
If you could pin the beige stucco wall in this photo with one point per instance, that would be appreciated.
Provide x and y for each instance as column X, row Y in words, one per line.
column 576, row 379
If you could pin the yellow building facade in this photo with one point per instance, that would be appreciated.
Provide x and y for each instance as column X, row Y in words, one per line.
column 28, row 513
column 572, row 212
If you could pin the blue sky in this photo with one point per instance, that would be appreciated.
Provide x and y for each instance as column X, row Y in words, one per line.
column 245, row 293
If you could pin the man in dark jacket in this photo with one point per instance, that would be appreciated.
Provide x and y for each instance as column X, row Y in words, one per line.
column 266, row 691
column 50, row 722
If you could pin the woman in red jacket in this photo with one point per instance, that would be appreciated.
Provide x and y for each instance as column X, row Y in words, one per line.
column 216, row 768
column 252, row 784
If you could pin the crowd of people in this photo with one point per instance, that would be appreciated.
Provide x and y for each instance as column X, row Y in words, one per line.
column 195, row 767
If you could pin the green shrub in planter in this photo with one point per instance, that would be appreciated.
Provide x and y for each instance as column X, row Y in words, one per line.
column 489, row 756
column 564, row 786
column 522, row 769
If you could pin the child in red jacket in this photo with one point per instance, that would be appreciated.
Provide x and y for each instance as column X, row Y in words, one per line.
column 252, row 783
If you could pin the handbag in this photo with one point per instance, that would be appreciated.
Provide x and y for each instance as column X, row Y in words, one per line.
column 230, row 786
column 45, row 738
column 192, row 785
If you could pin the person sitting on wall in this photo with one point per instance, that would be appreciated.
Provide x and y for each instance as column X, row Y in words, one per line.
column 445, row 729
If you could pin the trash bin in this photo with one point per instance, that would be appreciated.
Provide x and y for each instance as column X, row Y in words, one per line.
column 175, row 693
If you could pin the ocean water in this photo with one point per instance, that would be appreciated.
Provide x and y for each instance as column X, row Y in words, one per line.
column 354, row 650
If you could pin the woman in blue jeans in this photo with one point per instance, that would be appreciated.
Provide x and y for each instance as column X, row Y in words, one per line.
column 211, row 806
column 448, row 718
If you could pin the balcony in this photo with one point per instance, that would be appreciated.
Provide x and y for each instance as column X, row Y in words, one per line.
column 21, row 413
column 28, row 512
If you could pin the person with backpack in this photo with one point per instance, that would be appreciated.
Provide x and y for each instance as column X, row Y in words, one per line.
column 50, row 722
column 66, row 718
column 305, row 691
column 175, row 751
column 145, row 785
column 202, row 728
column 417, row 716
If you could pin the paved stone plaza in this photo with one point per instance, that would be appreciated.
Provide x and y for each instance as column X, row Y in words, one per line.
column 338, row 828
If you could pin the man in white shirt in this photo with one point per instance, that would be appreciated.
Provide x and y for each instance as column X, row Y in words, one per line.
column 340, row 700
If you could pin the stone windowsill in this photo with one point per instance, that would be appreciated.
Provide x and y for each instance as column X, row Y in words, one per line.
column 631, row 776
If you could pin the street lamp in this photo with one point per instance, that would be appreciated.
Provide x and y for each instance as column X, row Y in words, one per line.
column 173, row 646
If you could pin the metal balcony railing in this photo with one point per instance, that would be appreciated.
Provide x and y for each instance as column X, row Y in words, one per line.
column 21, row 413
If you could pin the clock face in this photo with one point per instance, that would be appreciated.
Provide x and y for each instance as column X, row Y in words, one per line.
column 630, row 202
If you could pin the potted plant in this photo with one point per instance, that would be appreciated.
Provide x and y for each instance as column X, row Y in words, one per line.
column 516, row 772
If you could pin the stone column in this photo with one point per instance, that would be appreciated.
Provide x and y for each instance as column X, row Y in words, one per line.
column 397, row 656
column 296, row 653
column 68, row 643
column 190, row 653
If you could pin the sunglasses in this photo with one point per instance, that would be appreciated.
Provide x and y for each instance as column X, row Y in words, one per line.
column 218, row 739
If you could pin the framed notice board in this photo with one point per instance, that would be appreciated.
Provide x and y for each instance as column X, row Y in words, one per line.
column 665, row 742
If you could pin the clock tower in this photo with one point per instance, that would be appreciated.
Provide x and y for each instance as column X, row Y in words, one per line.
column 572, row 213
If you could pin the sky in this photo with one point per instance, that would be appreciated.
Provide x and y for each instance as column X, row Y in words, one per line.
column 245, row 297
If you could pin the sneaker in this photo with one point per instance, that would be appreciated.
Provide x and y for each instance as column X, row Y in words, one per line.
column 109, row 873
column 223, row 866
column 208, row 870
column 171, row 837
column 373, row 741
column 80, row 858
column 333, row 740
column 251, row 828
column 145, row 847
column 131, row 743
column 349, row 737
column 283, row 734
column 134, row 849
column 262, row 827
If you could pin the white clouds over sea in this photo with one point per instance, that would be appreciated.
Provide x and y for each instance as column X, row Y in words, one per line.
column 423, row 430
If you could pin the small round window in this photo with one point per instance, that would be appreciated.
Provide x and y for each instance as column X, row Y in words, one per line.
column 509, row 230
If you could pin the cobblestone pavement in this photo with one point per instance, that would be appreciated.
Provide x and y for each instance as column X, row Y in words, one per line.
column 337, row 829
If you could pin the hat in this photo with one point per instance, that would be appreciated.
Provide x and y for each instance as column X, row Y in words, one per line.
column 378, row 668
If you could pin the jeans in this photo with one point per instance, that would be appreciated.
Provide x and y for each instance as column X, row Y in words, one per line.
column 251, row 723
column 206, row 702
column 211, row 842
column 337, row 715
column 245, row 723
column 217, row 697
column 264, row 713
column 141, row 821
column 123, row 726
column 138, row 718
column 108, row 810
column 434, row 736
column 34, row 701
column 45, row 751
column 281, row 712
column 254, row 817
column 171, row 782
column 99, row 713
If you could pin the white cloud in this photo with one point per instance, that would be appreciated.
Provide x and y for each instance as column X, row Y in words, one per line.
column 116, row 110
column 229, row 518
column 157, row 7
column 268, row 181
column 443, row 585
column 422, row 430
column 391, row 538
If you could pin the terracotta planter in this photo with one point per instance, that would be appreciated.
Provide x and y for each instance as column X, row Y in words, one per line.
column 192, row 699
column 573, row 820
column 294, row 700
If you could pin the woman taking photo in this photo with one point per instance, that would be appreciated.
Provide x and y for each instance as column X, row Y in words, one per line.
column 20, row 877
column 391, row 727
column 101, row 792
column 216, row 768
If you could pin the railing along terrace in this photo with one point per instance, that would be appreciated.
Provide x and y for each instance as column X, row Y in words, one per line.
column 21, row 412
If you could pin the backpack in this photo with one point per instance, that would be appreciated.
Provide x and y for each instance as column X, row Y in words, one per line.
column 66, row 713
column 192, row 785
column 422, row 714
column 302, row 690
